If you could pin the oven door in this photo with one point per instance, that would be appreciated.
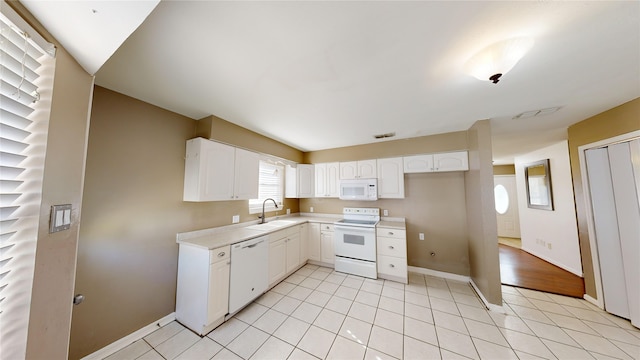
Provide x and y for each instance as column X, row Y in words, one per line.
column 355, row 242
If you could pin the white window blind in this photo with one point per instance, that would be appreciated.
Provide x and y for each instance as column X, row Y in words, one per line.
column 24, row 56
column 271, row 185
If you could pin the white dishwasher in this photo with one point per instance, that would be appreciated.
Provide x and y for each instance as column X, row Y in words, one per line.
column 249, row 272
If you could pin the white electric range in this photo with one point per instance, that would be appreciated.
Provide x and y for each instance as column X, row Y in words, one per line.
column 355, row 241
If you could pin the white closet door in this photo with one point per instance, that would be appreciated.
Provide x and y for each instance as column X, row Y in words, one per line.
column 607, row 236
column 628, row 213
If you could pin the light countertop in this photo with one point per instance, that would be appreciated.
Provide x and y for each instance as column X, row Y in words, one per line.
column 226, row 235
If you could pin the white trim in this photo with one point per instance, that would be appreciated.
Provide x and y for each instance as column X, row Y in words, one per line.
column 130, row 339
column 441, row 274
column 592, row 300
column 490, row 306
column 599, row 301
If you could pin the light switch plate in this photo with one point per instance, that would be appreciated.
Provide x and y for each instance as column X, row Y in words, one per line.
column 60, row 218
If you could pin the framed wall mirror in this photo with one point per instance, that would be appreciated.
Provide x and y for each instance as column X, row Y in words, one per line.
column 538, row 181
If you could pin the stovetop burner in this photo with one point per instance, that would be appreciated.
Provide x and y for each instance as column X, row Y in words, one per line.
column 361, row 217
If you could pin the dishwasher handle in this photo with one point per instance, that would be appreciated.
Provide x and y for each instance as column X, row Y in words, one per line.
column 252, row 245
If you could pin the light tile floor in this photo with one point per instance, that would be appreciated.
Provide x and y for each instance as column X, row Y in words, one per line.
column 318, row 313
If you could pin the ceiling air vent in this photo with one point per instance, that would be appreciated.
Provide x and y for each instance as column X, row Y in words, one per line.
column 532, row 113
column 387, row 135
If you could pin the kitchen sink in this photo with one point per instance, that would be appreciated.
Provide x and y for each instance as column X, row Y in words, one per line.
column 271, row 225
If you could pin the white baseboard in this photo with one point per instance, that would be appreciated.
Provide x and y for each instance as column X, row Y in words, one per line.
column 441, row 274
column 593, row 301
column 130, row 339
column 490, row 306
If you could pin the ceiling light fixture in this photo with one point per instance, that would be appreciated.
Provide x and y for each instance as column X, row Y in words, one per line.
column 497, row 59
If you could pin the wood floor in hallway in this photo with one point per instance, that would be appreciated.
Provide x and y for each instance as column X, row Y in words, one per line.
column 521, row 269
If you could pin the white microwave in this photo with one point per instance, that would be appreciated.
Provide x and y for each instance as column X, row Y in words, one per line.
column 359, row 189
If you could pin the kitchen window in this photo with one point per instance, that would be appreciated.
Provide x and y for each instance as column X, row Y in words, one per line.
column 27, row 67
column 271, row 185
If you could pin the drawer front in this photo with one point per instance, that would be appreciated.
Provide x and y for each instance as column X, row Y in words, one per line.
column 326, row 227
column 393, row 266
column 394, row 233
column 392, row 247
column 220, row 254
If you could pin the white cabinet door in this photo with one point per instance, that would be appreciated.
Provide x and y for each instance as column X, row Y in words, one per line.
column 327, row 179
column 391, row 178
column 348, row 170
column 313, row 249
column 247, row 169
column 209, row 169
column 218, row 290
column 321, row 180
column 418, row 163
column 305, row 181
column 304, row 243
column 219, row 172
column 453, row 161
column 363, row 169
column 290, row 182
column 333, row 179
column 299, row 181
column 327, row 252
column 277, row 260
column 367, row 169
column 293, row 252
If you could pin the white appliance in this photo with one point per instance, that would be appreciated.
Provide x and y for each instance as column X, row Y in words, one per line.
column 355, row 242
column 249, row 275
column 359, row 189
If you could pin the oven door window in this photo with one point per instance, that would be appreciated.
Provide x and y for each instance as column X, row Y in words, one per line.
column 354, row 239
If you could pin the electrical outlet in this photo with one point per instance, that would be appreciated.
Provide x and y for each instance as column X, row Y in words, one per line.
column 421, row 236
column 549, row 246
column 235, row 219
column 385, row 212
column 311, row 209
column 288, row 211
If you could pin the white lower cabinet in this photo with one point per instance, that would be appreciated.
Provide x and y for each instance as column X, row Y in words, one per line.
column 392, row 254
column 304, row 243
column 327, row 252
column 284, row 254
column 202, row 295
column 313, row 243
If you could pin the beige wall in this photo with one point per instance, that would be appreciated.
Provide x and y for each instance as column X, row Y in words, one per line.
column 481, row 215
column 133, row 208
column 504, row 169
column 434, row 204
column 52, row 291
column 617, row 121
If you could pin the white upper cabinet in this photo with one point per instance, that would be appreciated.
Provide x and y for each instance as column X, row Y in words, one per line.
column 363, row 169
column 418, row 163
column 327, row 179
column 299, row 181
column 216, row 172
column 452, row 161
column 390, row 178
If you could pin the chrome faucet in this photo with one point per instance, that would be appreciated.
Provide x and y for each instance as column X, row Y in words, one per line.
column 264, row 202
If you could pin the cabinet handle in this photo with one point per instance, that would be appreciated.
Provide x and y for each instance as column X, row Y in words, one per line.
column 221, row 254
column 228, row 262
column 392, row 265
column 391, row 247
column 390, row 233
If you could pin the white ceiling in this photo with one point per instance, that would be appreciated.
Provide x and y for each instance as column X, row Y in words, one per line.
column 318, row 75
